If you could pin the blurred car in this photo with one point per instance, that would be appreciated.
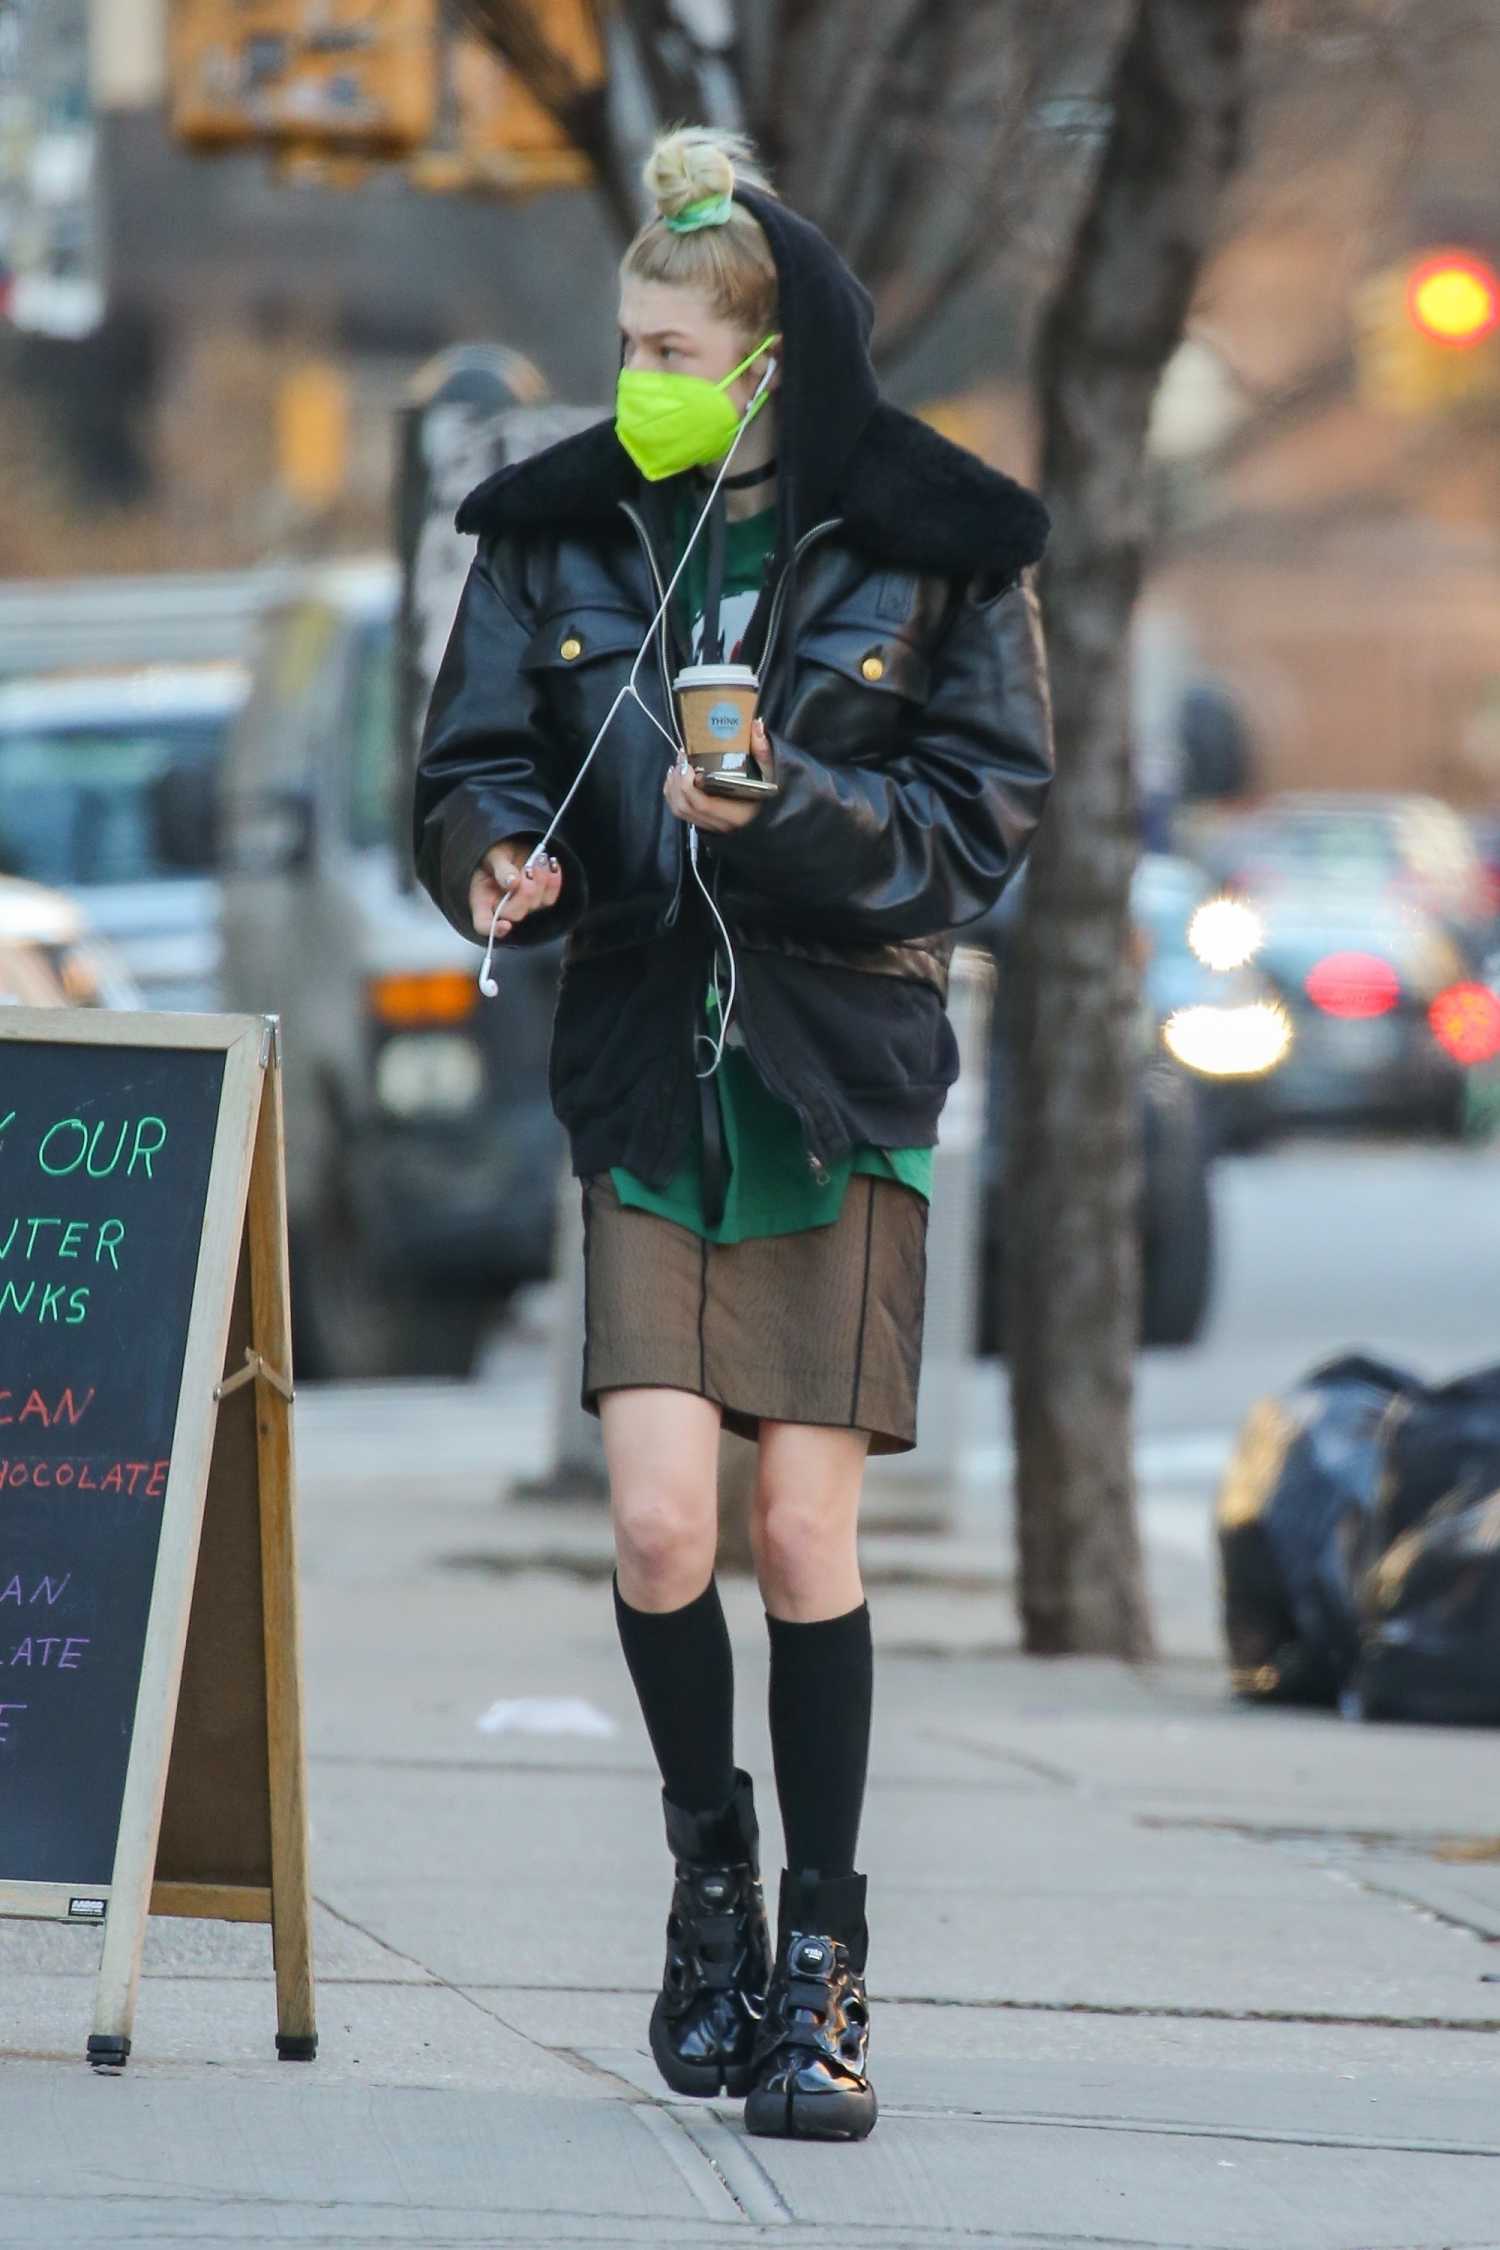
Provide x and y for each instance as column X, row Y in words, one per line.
column 107, row 785
column 1415, row 849
column 1375, row 992
column 1485, row 830
column 1177, row 1141
column 422, row 1155
column 1217, row 1014
column 51, row 958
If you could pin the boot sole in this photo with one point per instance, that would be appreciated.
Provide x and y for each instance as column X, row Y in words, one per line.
column 810, row 2117
column 704, row 2080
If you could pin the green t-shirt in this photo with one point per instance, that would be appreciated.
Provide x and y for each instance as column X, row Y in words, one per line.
column 772, row 1187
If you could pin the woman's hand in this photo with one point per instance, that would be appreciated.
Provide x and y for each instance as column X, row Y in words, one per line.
column 700, row 808
column 504, row 865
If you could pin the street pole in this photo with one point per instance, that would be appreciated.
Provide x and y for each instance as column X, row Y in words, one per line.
column 925, row 1483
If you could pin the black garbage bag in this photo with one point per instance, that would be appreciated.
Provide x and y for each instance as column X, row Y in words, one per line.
column 1442, row 1448
column 1293, row 1518
column 1429, row 1594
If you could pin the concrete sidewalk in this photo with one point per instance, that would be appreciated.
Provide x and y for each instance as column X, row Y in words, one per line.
column 1146, row 1969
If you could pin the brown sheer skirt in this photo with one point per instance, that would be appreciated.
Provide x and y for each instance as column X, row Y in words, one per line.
column 822, row 1327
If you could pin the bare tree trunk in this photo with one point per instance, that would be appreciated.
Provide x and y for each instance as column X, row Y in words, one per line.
column 1072, row 1241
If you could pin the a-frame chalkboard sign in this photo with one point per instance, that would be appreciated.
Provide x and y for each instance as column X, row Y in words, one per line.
column 151, row 1748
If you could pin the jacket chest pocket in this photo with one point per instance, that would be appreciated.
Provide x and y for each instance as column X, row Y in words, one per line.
column 580, row 658
column 859, row 686
column 577, row 661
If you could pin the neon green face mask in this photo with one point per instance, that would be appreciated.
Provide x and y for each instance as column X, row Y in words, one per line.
column 668, row 423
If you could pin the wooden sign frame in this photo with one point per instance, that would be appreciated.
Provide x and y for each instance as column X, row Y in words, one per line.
column 240, row 1295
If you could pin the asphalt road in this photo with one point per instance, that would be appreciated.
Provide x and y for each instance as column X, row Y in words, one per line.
column 1389, row 1246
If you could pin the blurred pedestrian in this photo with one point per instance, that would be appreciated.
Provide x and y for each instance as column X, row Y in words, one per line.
column 750, row 1049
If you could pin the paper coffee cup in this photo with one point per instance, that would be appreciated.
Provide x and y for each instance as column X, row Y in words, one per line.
column 716, row 704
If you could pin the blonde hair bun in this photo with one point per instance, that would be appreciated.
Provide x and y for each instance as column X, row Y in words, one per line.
column 724, row 254
column 691, row 162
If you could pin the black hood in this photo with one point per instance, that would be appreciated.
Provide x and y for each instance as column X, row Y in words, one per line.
column 828, row 387
column 905, row 495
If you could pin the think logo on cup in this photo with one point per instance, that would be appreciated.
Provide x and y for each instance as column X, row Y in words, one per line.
column 716, row 704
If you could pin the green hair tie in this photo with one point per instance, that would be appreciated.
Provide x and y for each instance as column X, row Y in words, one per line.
column 708, row 211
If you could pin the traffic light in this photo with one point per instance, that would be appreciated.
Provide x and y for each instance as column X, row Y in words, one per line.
column 1428, row 335
column 334, row 87
column 331, row 75
column 1453, row 299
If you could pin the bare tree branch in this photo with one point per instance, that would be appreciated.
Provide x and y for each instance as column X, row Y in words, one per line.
column 589, row 115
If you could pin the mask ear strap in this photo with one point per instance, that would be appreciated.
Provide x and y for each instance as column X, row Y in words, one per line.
column 749, row 361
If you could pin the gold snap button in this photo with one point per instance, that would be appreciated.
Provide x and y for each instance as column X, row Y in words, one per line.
column 571, row 647
column 873, row 667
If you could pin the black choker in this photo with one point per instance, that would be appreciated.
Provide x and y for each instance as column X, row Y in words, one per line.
column 746, row 478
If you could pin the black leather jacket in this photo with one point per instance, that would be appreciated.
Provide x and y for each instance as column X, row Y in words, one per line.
column 910, row 723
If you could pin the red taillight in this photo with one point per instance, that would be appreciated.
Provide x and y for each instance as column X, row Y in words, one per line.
column 1353, row 984
column 1465, row 1022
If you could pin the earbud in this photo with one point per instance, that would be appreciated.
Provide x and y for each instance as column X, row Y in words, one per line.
column 488, row 982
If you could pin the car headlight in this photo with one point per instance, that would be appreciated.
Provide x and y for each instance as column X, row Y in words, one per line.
column 433, row 1073
column 1229, row 1042
column 1225, row 933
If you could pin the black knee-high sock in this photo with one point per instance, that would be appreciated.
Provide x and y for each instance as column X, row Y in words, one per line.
column 683, row 1670
column 822, row 1676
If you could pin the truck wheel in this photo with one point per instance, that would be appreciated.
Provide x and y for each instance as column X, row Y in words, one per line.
column 350, row 1324
column 1178, row 1230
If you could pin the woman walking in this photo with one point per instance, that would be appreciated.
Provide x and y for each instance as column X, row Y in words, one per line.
column 750, row 1050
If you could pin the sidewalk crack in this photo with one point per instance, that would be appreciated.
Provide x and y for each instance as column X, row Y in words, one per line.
column 434, row 1976
column 999, row 1754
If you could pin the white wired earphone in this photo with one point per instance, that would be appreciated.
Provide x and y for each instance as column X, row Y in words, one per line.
column 488, row 982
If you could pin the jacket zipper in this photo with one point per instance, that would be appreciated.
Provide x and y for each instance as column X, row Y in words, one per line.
column 778, row 599
column 777, row 1085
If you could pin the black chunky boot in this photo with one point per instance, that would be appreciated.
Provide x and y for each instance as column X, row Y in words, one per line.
column 718, row 1948
column 809, row 2080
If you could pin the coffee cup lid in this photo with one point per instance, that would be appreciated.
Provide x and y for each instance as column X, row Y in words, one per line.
column 716, row 675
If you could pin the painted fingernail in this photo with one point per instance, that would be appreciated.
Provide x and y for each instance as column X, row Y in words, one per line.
column 555, row 865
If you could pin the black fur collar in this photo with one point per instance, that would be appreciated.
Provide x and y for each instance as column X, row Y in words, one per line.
column 908, row 497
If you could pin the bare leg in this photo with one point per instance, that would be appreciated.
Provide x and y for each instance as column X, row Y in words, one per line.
column 804, row 1521
column 662, row 1448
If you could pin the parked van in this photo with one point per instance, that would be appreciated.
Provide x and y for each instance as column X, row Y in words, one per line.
column 107, row 784
column 422, row 1155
